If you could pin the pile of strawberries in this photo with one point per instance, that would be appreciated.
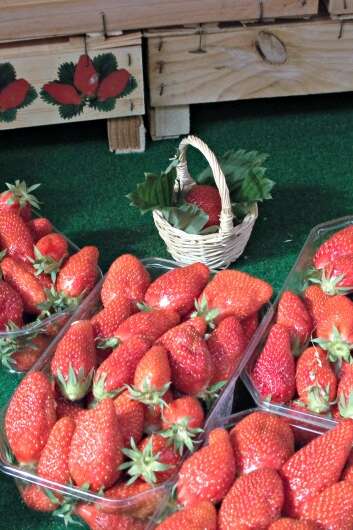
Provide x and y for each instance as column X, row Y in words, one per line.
column 38, row 277
column 306, row 361
column 252, row 478
column 123, row 398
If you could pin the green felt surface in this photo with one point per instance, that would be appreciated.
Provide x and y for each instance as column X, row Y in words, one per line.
column 310, row 141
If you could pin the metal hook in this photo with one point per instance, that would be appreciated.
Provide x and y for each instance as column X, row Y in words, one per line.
column 340, row 33
column 132, row 105
column 86, row 48
column 104, row 24
column 129, row 60
column 261, row 10
column 200, row 48
column 160, row 45
column 161, row 89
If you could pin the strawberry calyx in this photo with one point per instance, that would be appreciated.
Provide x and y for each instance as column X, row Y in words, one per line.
column 143, row 463
column 109, row 342
column 210, row 394
column 202, row 310
column 345, row 405
column 21, row 194
column 318, row 399
column 337, row 347
column 141, row 306
column 149, row 395
column 76, row 385
column 99, row 391
column 182, row 435
column 10, row 345
column 329, row 284
column 57, row 302
column 45, row 264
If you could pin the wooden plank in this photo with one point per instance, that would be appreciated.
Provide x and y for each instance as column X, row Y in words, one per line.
column 169, row 122
column 340, row 7
column 38, row 63
column 126, row 135
column 233, row 66
column 28, row 19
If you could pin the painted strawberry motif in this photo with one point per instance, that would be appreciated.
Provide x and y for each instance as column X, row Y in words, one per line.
column 113, row 85
column 62, row 93
column 13, row 95
column 86, row 78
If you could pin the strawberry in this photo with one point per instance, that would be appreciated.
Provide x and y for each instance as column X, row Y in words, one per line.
column 315, row 300
column 24, row 357
column 178, row 288
column 335, row 328
column 254, row 501
column 19, row 199
column 236, row 293
column 127, row 278
column 39, row 227
column 142, row 499
column 200, row 516
column 209, row 473
column 15, row 236
column 53, row 246
column 336, row 277
column 301, row 436
column 200, row 323
column 131, row 417
column 154, row 460
column 189, row 359
column 332, row 508
column 339, row 244
column 118, row 369
column 63, row 94
column 316, row 381
column 13, row 95
column 68, row 408
column 113, row 85
column 106, row 321
column 261, row 440
column 98, row 520
column 292, row 314
column 30, row 417
column 208, row 199
column 316, row 466
column 274, row 370
column 348, row 470
column 286, row 523
column 148, row 324
column 39, row 499
column 95, row 452
column 226, row 345
column 153, row 414
column 249, row 326
column 183, row 419
column 345, row 391
column 74, row 360
column 85, row 76
column 79, row 273
column 11, row 306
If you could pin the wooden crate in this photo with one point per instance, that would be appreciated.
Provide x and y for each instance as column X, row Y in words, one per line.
column 340, row 8
column 29, row 19
column 38, row 62
column 272, row 60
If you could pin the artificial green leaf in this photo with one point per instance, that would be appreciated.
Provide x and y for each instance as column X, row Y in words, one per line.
column 255, row 187
column 66, row 72
column 241, row 209
column 8, row 115
column 210, row 230
column 30, row 97
column 47, row 98
column 132, row 84
column 67, row 112
column 7, row 74
column 105, row 64
column 103, row 106
column 155, row 192
column 187, row 217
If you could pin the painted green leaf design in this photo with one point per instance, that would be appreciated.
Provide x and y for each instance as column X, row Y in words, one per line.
column 67, row 112
column 105, row 64
column 8, row 115
column 132, row 84
column 66, row 73
column 156, row 191
column 103, row 106
column 30, row 97
column 7, row 74
column 187, row 217
column 47, row 98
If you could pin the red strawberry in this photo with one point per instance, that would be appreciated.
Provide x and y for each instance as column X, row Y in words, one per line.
column 68, row 408
column 119, row 368
column 301, row 436
column 30, row 417
column 199, row 323
column 131, row 417
column 113, row 85
column 153, row 414
column 79, row 273
column 39, row 227
column 348, row 470
column 148, row 324
column 24, row 357
column 208, row 199
column 85, row 76
column 316, row 466
column 53, row 246
column 249, row 326
column 345, row 391
column 189, row 359
column 315, row 300
column 178, row 288
column 142, row 499
column 15, row 236
column 38, row 499
column 286, row 523
column 254, row 501
column 316, row 381
column 183, row 419
column 209, row 473
column 19, row 199
column 62, row 93
column 200, row 516
column 154, row 460
column 98, row 520
column 14, row 94
column 339, row 244
column 261, row 440
column 226, row 345
column 332, row 508
column 74, row 360
column 292, row 314
column 236, row 293
column 11, row 306
column 127, row 278
column 95, row 453
column 106, row 321
column 274, row 370
column 335, row 328
column 336, row 277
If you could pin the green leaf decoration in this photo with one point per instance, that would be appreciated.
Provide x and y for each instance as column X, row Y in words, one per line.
column 103, row 106
column 105, row 64
column 155, row 192
column 255, row 187
column 30, row 97
column 8, row 115
column 130, row 87
column 7, row 74
column 67, row 112
column 66, row 72
column 47, row 98
column 187, row 217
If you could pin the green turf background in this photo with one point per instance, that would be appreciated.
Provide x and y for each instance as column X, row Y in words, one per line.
column 310, row 141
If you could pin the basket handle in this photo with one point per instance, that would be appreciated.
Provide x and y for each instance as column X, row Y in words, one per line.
column 185, row 180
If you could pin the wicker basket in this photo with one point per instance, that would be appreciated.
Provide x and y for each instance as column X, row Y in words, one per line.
column 216, row 250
